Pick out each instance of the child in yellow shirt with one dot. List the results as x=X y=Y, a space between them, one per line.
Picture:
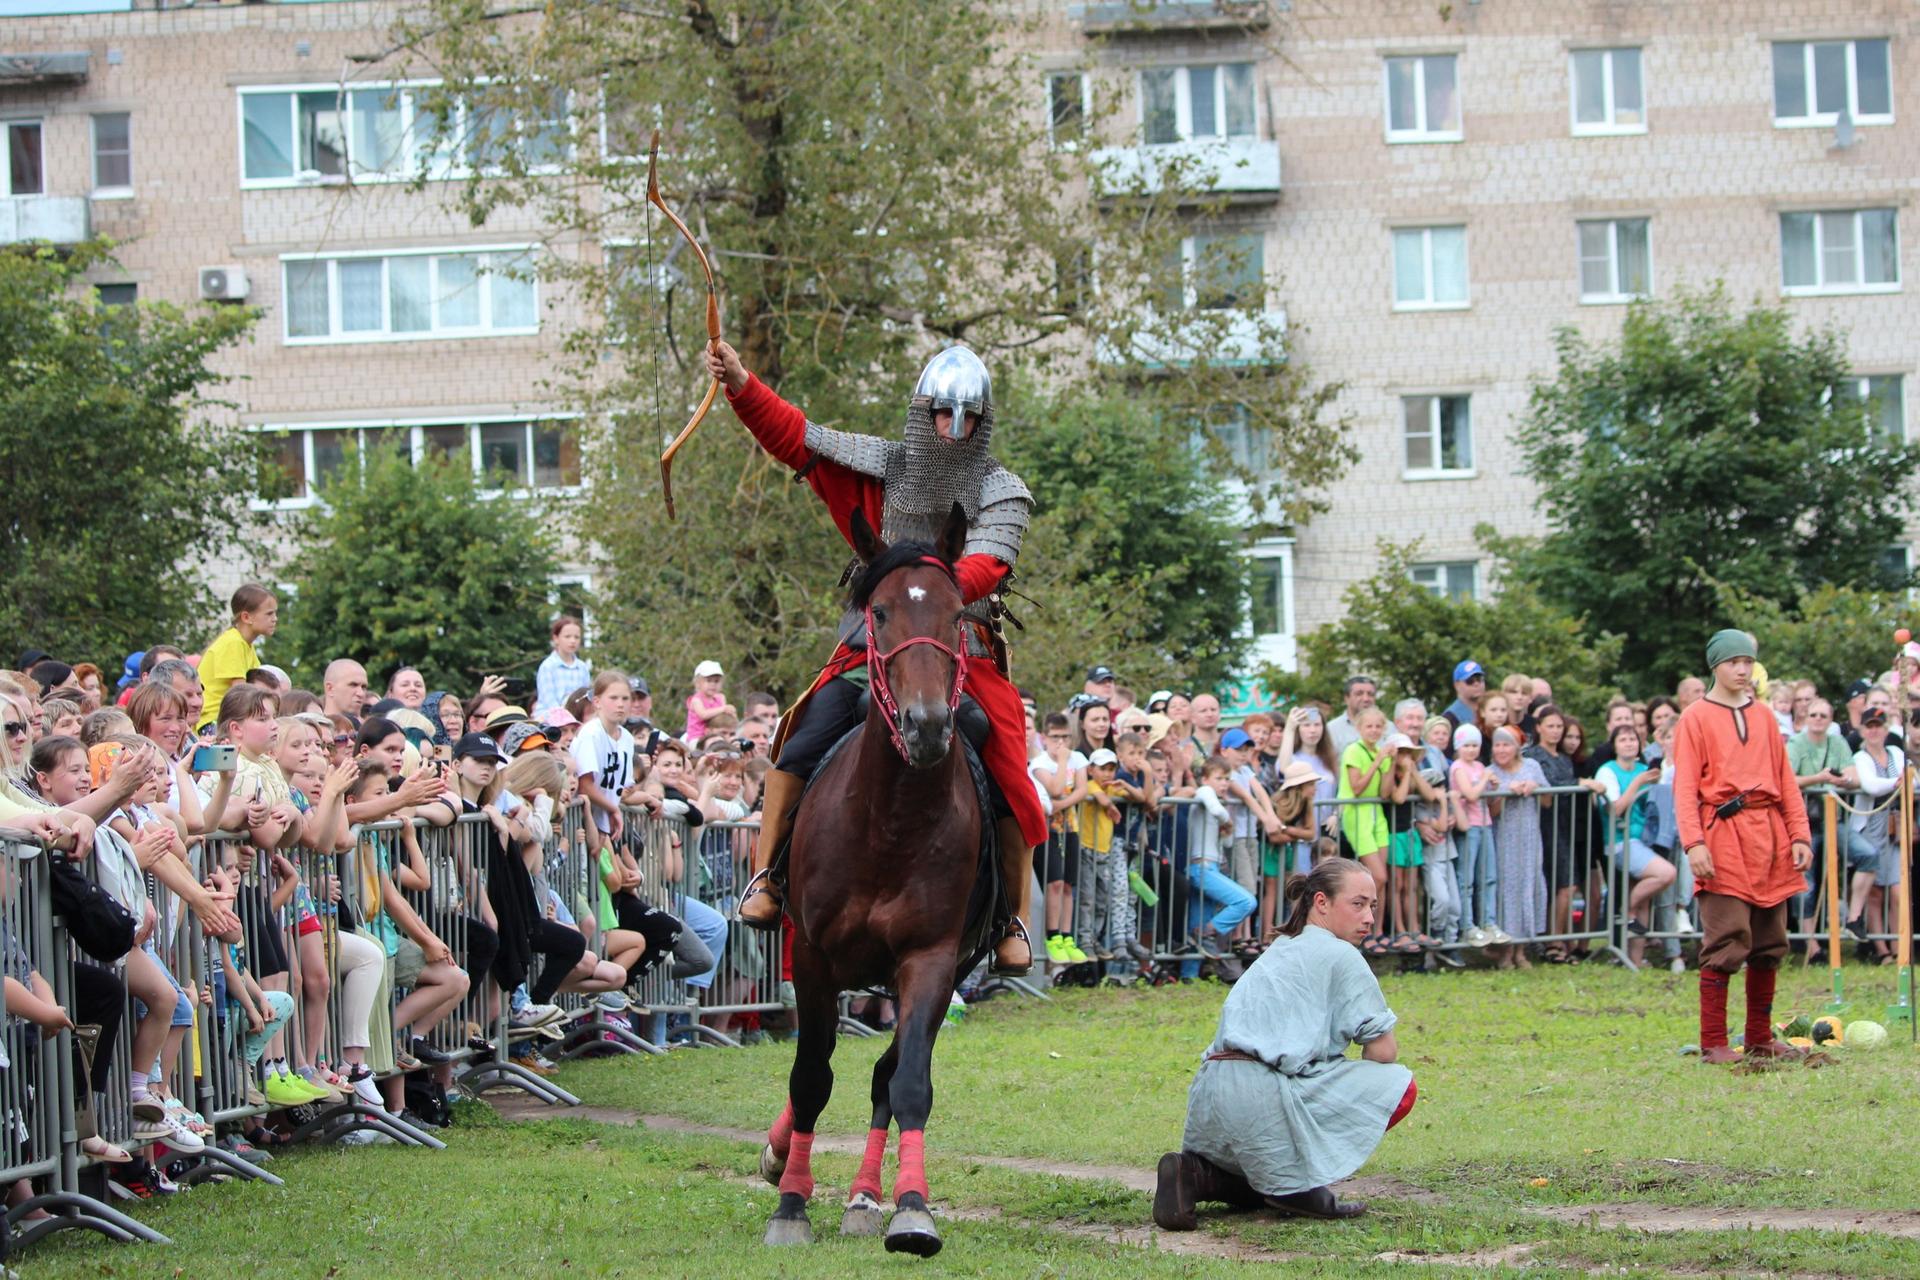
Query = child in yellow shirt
x=256 y=614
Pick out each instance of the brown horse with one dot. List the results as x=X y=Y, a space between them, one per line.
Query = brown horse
x=883 y=865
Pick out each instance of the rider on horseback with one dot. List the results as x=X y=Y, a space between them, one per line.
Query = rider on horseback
x=913 y=484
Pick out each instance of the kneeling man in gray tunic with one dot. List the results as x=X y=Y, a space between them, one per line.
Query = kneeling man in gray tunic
x=1278 y=1111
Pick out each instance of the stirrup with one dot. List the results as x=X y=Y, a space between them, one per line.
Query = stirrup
x=1016 y=928
x=761 y=883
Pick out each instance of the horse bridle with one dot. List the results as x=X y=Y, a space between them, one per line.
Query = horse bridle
x=877 y=667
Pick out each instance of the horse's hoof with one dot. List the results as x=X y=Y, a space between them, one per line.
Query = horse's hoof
x=912 y=1231
x=863 y=1217
x=789 y=1224
x=771 y=1165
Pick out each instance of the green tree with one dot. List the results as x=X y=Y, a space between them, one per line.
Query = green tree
x=1829 y=635
x=1409 y=639
x=1707 y=446
x=115 y=460
x=865 y=199
x=403 y=563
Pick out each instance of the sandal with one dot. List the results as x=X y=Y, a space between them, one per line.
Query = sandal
x=1426 y=942
x=263 y=1137
x=103 y=1151
x=1375 y=945
x=1403 y=944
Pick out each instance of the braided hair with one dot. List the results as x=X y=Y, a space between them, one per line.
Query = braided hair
x=1327 y=876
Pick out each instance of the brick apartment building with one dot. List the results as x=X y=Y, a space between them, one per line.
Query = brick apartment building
x=1432 y=189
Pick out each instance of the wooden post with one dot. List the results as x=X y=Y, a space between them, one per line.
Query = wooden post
x=1900 y=1012
x=1836 y=909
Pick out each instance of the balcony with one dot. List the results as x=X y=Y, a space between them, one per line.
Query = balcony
x=1245 y=170
x=59 y=219
x=1245 y=338
x=1152 y=17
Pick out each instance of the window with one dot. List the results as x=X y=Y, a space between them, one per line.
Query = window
x=1885 y=398
x=1268 y=604
x=1896 y=563
x=1429 y=268
x=1216 y=272
x=26 y=175
x=389 y=132
x=1847 y=251
x=1066 y=108
x=1248 y=448
x=1454 y=579
x=113 y=154
x=1183 y=104
x=1439 y=436
x=1423 y=99
x=1816 y=83
x=117 y=295
x=515 y=455
x=410 y=296
x=1615 y=264
x=1608 y=96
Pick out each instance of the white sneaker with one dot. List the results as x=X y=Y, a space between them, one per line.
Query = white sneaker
x=148 y=1107
x=181 y=1138
x=366 y=1138
x=368 y=1092
x=1676 y=965
x=537 y=1015
x=1476 y=937
x=1501 y=938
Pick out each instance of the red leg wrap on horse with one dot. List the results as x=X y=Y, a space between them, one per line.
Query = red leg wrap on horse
x=868 y=1179
x=1407 y=1100
x=1713 y=1009
x=912 y=1174
x=799 y=1174
x=782 y=1132
x=1760 y=984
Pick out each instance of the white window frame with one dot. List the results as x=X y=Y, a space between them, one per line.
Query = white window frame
x=1183 y=101
x=1815 y=119
x=1282 y=552
x=1189 y=265
x=584 y=581
x=1858 y=285
x=1437 y=471
x=1609 y=128
x=122 y=191
x=1861 y=385
x=446 y=161
x=1086 y=108
x=484 y=278
x=1440 y=571
x=417 y=449
x=1615 y=295
x=1426 y=261
x=6 y=155
x=1421 y=133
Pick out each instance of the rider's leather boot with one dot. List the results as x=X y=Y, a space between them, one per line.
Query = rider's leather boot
x=1013 y=954
x=762 y=904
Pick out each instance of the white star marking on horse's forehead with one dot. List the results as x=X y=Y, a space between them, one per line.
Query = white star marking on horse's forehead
x=916 y=593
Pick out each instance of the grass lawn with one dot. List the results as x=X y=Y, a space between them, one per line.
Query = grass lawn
x=1538 y=1092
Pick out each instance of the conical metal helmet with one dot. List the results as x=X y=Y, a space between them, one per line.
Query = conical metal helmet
x=957 y=380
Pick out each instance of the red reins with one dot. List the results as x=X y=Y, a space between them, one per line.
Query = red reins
x=877 y=662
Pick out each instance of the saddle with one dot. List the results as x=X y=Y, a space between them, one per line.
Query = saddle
x=988 y=908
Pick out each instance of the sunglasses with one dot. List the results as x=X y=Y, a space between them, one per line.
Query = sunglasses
x=342 y=739
x=723 y=755
x=16 y=728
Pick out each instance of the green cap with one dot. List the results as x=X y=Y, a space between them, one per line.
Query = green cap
x=1729 y=644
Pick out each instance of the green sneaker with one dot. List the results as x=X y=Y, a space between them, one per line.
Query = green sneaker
x=1057 y=949
x=283 y=1090
x=1074 y=954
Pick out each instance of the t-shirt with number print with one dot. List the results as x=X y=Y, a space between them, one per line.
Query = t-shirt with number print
x=608 y=759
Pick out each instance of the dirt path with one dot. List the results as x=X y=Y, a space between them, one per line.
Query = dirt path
x=1629 y=1215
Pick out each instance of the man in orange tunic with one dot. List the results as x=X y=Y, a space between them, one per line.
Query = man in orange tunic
x=1745 y=831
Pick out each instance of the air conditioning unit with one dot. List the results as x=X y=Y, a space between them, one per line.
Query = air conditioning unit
x=223 y=284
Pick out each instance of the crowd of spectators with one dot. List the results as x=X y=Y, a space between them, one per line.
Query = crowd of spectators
x=1498 y=823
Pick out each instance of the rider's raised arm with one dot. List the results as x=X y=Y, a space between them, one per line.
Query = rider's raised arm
x=781 y=428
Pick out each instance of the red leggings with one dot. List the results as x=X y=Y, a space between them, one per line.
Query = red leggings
x=1407 y=1100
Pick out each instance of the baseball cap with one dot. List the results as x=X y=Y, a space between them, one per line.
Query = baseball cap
x=524 y=737
x=1858 y=689
x=1468 y=670
x=1100 y=675
x=1100 y=757
x=1873 y=715
x=505 y=716
x=557 y=718
x=480 y=746
x=1235 y=739
x=1466 y=735
x=639 y=686
x=1158 y=699
x=707 y=668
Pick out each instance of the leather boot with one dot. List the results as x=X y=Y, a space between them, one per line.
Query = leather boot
x=762 y=903
x=1186 y=1179
x=1318 y=1202
x=1013 y=954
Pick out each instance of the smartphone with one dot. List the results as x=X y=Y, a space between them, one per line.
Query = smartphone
x=214 y=757
x=515 y=690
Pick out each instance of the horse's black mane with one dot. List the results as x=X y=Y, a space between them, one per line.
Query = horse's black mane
x=868 y=579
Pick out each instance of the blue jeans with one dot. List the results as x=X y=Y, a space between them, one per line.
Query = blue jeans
x=711 y=927
x=1474 y=870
